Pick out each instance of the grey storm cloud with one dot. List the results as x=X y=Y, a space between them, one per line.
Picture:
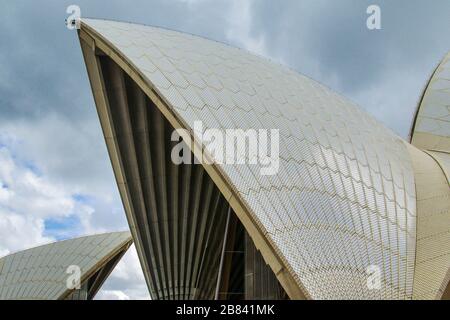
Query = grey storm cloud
x=43 y=81
x=42 y=72
x=40 y=60
x=334 y=34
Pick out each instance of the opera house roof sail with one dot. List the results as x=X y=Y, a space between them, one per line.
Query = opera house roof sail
x=42 y=273
x=349 y=194
x=431 y=127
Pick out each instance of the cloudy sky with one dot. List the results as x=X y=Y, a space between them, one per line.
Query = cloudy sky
x=56 y=180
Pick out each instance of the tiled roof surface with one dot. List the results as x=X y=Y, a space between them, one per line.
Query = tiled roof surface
x=344 y=195
x=40 y=273
x=432 y=124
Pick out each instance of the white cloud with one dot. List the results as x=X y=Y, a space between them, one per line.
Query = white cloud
x=69 y=152
x=111 y=295
x=394 y=100
x=29 y=198
x=126 y=281
x=239 y=28
x=26 y=200
x=19 y=232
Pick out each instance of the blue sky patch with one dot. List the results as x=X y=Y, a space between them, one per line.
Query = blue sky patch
x=62 y=228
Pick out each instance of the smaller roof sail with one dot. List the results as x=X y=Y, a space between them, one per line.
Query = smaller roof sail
x=43 y=273
x=431 y=127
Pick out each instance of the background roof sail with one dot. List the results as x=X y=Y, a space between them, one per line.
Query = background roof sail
x=41 y=273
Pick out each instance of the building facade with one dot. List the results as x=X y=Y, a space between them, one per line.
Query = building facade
x=349 y=195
